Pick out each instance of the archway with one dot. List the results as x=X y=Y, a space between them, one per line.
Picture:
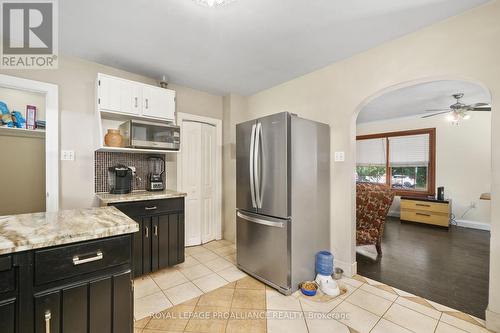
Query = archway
x=406 y=86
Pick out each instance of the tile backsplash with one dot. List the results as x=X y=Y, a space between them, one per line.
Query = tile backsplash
x=104 y=160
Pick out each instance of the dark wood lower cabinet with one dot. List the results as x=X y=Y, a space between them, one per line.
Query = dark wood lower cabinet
x=160 y=242
x=97 y=301
x=8 y=316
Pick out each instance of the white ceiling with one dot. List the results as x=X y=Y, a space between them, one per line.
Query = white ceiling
x=245 y=47
x=414 y=100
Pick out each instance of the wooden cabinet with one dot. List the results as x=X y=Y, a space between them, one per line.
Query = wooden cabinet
x=122 y=96
x=100 y=305
x=117 y=95
x=160 y=242
x=92 y=294
x=9 y=295
x=426 y=211
x=158 y=103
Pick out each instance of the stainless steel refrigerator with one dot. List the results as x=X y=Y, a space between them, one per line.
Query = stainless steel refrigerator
x=282 y=198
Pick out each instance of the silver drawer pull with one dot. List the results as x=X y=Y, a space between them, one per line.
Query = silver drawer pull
x=155 y=230
x=422 y=205
x=151 y=208
x=48 y=316
x=78 y=261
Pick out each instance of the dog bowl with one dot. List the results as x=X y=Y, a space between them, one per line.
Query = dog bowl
x=337 y=273
x=309 y=288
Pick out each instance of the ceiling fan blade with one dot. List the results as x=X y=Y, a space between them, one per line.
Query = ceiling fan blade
x=484 y=108
x=435 y=114
x=437 y=110
x=478 y=105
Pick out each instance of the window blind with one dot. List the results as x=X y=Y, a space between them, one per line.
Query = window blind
x=371 y=152
x=411 y=150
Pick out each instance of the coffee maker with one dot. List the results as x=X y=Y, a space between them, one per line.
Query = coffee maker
x=155 y=175
x=120 y=179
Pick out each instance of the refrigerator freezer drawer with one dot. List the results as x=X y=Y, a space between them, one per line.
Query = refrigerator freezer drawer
x=264 y=248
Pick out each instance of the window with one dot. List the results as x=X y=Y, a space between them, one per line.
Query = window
x=371 y=160
x=403 y=160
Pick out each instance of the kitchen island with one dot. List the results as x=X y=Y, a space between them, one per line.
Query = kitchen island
x=67 y=271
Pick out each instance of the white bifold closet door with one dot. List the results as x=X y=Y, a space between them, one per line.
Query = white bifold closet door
x=198 y=180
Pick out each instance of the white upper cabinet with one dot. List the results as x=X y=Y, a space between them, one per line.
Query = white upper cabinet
x=158 y=103
x=118 y=95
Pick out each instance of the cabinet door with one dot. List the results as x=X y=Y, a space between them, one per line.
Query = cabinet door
x=155 y=244
x=47 y=313
x=146 y=245
x=170 y=240
x=163 y=241
x=158 y=103
x=8 y=295
x=174 y=239
x=100 y=307
x=75 y=305
x=8 y=316
x=119 y=95
x=137 y=248
x=122 y=303
x=181 y=238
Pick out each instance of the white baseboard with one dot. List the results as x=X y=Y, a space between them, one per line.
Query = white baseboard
x=473 y=225
x=394 y=213
x=492 y=320
x=349 y=269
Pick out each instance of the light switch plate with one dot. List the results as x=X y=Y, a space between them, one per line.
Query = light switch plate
x=67 y=155
x=339 y=156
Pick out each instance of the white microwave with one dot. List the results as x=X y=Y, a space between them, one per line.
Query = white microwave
x=150 y=135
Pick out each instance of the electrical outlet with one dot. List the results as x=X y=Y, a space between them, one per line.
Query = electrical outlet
x=339 y=156
x=473 y=204
x=67 y=155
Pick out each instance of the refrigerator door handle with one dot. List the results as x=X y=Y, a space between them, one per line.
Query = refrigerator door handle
x=258 y=137
x=251 y=159
x=261 y=221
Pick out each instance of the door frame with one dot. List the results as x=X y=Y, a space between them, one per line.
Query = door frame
x=218 y=163
x=51 y=93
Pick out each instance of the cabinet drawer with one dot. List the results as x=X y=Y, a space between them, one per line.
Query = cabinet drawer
x=72 y=260
x=425 y=206
x=425 y=217
x=150 y=207
x=7 y=275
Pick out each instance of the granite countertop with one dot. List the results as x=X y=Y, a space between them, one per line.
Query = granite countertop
x=107 y=198
x=32 y=231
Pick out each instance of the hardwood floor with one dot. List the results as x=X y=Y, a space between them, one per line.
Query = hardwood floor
x=447 y=267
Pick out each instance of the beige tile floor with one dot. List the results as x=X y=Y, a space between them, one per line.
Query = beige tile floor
x=205 y=268
x=245 y=305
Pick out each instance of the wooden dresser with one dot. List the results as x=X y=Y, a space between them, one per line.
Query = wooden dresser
x=424 y=210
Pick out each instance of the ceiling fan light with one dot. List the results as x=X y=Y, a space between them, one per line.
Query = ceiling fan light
x=453 y=117
x=213 y=3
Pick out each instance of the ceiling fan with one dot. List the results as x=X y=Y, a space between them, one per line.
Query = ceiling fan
x=459 y=110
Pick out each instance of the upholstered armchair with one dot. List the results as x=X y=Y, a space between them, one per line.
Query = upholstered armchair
x=372 y=205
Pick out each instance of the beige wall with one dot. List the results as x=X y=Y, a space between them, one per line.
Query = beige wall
x=17 y=100
x=336 y=93
x=463 y=159
x=22 y=175
x=78 y=131
x=235 y=109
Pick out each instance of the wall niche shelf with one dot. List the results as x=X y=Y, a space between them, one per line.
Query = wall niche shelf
x=22 y=132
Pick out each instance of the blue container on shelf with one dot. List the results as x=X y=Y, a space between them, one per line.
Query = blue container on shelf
x=324 y=263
